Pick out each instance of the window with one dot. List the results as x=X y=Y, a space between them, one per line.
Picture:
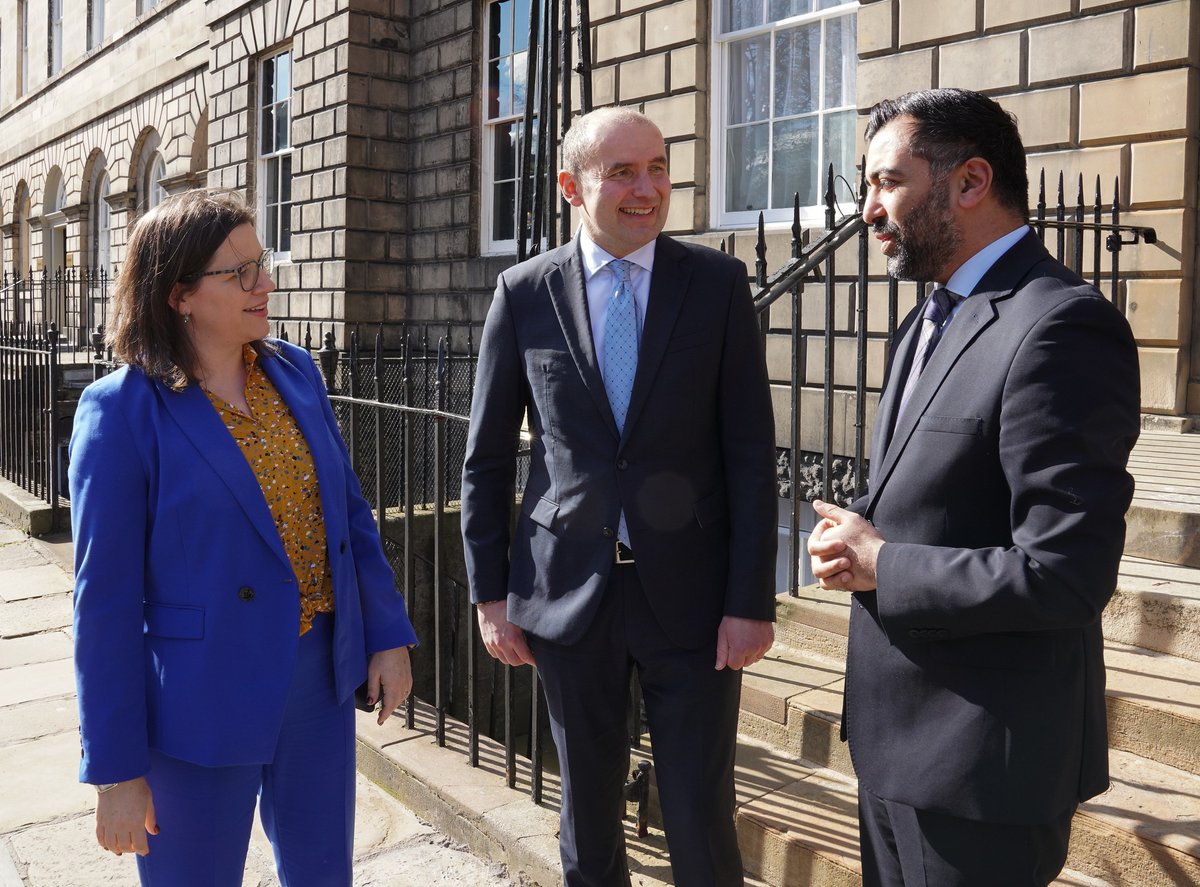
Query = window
x=503 y=143
x=786 y=109
x=153 y=192
x=22 y=47
x=275 y=154
x=54 y=46
x=145 y=6
x=95 y=34
x=102 y=230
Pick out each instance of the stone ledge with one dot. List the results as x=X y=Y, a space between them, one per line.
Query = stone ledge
x=27 y=512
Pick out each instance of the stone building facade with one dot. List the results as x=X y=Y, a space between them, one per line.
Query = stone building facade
x=377 y=137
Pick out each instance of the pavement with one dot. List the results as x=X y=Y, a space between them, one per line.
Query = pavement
x=46 y=815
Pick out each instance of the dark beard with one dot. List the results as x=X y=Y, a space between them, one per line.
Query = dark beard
x=927 y=240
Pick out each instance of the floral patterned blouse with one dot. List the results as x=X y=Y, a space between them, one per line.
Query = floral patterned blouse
x=280 y=458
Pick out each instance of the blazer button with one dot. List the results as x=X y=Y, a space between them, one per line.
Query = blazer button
x=608 y=532
x=622 y=464
x=246 y=593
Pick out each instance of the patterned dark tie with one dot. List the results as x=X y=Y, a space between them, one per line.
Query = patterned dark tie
x=620 y=353
x=937 y=313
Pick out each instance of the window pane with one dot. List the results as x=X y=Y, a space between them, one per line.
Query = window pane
x=283 y=76
x=795 y=162
x=797 y=69
x=504 y=13
x=829 y=4
x=268 y=81
x=504 y=210
x=285 y=229
x=271 y=175
x=746 y=163
x=841 y=46
x=267 y=131
x=781 y=9
x=505 y=157
x=749 y=79
x=285 y=179
x=521 y=27
x=742 y=14
x=519 y=70
x=838 y=148
x=493 y=93
x=282 y=129
x=504 y=86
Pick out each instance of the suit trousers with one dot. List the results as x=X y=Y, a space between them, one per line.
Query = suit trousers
x=692 y=710
x=305 y=794
x=906 y=847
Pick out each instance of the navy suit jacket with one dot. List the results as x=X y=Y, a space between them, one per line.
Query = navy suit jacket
x=693 y=468
x=975 y=673
x=187 y=614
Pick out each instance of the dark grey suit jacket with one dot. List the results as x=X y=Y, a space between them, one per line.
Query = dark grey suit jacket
x=975 y=673
x=693 y=470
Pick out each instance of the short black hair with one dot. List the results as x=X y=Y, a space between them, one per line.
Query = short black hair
x=951 y=126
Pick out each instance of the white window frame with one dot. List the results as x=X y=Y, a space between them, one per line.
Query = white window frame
x=153 y=193
x=719 y=217
x=492 y=126
x=95 y=33
x=22 y=47
x=265 y=163
x=54 y=45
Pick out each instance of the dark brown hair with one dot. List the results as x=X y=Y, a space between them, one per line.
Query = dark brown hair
x=169 y=245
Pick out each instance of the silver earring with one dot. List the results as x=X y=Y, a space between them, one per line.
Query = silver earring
x=187 y=318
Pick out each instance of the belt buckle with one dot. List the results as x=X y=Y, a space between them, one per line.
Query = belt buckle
x=621 y=554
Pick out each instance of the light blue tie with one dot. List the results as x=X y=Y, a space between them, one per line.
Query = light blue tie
x=620 y=353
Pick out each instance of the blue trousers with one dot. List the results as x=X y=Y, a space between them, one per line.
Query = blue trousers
x=305 y=794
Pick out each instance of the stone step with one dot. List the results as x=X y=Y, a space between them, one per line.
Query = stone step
x=1163 y=523
x=793 y=697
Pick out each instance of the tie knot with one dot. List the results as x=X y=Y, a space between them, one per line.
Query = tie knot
x=941 y=304
x=622 y=268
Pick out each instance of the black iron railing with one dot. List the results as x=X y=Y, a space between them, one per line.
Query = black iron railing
x=1080 y=236
x=30 y=442
x=75 y=300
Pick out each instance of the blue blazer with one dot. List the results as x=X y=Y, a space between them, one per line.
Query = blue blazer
x=186 y=608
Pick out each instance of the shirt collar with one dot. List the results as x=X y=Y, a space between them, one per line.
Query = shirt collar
x=967 y=277
x=595 y=258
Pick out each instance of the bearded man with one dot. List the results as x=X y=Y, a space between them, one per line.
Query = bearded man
x=987 y=544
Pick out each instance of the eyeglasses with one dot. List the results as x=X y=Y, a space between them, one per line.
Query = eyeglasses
x=247 y=272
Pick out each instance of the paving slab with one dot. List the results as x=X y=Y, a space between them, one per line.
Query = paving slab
x=42 y=782
x=33 y=648
x=27 y=683
x=34 y=581
x=18 y=555
x=22 y=723
x=18 y=618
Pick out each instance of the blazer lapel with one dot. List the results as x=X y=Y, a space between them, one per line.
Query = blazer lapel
x=568 y=294
x=202 y=424
x=668 y=286
x=976 y=314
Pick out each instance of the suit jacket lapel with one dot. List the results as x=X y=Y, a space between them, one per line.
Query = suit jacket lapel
x=668 y=286
x=202 y=424
x=568 y=294
x=976 y=314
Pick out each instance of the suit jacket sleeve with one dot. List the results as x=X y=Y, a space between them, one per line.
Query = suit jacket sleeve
x=489 y=470
x=109 y=489
x=747 y=428
x=1069 y=416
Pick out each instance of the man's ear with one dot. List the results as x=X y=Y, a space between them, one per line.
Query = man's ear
x=974 y=182
x=569 y=186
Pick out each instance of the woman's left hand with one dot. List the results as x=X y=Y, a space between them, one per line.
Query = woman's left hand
x=389 y=678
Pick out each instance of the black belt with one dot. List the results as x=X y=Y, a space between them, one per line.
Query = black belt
x=622 y=553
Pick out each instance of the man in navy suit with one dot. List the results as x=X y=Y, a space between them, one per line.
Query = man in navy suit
x=646 y=532
x=988 y=542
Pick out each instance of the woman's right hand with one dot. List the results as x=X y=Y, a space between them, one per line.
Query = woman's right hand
x=124 y=814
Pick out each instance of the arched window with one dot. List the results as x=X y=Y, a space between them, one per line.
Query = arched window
x=21 y=258
x=54 y=222
x=152 y=189
x=102 y=226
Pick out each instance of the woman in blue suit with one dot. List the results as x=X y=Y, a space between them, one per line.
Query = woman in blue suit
x=231 y=590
